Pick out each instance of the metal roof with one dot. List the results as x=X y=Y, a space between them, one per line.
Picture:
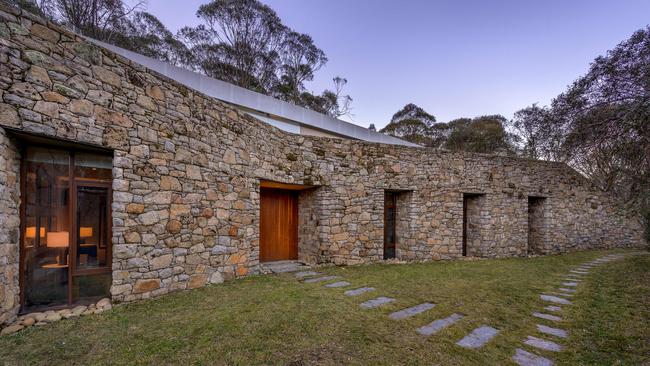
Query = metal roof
x=248 y=99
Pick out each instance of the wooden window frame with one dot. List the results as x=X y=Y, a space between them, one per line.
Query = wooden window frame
x=72 y=206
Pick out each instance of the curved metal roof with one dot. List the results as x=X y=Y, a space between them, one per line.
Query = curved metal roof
x=248 y=99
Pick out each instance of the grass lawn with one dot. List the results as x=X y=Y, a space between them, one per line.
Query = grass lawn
x=277 y=320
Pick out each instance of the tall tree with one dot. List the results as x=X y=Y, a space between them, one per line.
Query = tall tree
x=601 y=124
x=245 y=43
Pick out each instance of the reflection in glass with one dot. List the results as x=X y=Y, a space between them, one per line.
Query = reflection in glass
x=92 y=211
x=45 y=259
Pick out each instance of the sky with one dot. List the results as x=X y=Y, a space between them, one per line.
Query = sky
x=461 y=58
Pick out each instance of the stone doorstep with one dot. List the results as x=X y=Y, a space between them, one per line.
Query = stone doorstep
x=525 y=358
x=409 y=312
x=543 y=344
x=439 y=324
x=283 y=267
x=373 y=303
x=358 y=291
x=478 y=337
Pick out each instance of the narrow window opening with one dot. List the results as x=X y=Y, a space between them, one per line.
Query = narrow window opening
x=536 y=207
x=472 y=203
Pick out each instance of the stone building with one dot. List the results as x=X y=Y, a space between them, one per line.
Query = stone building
x=117 y=180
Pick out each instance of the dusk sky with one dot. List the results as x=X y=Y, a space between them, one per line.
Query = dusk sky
x=453 y=58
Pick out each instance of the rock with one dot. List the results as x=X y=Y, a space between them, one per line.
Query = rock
x=9 y=115
x=50 y=96
x=47 y=108
x=11 y=329
x=76 y=311
x=216 y=278
x=28 y=322
x=103 y=302
x=45 y=33
x=155 y=92
x=38 y=76
x=106 y=76
x=135 y=208
x=146 y=285
x=55 y=317
x=161 y=262
x=174 y=226
x=81 y=107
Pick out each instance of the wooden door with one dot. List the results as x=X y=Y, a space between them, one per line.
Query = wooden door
x=278 y=225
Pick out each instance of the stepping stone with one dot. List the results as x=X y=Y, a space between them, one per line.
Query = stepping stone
x=554 y=318
x=560 y=294
x=525 y=358
x=570 y=284
x=567 y=289
x=437 y=325
x=555 y=299
x=552 y=331
x=409 y=312
x=304 y=274
x=579 y=272
x=338 y=284
x=573 y=279
x=553 y=308
x=320 y=279
x=478 y=337
x=543 y=344
x=376 y=302
x=358 y=291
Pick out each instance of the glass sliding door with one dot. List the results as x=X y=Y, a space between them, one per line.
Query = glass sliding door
x=66 y=218
x=46 y=222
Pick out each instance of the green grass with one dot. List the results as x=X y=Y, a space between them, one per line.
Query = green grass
x=277 y=320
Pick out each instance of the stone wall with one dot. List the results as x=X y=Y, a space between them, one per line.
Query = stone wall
x=187 y=171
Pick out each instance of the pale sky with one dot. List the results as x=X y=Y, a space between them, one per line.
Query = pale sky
x=460 y=58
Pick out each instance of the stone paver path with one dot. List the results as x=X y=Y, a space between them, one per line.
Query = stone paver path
x=358 y=291
x=478 y=337
x=304 y=274
x=320 y=279
x=376 y=302
x=543 y=344
x=567 y=290
x=338 y=284
x=570 y=284
x=552 y=331
x=525 y=358
x=408 y=312
x=555 y=299
x=438 y=325
x=554 y=318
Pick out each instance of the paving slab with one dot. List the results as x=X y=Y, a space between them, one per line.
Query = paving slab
x=552 y=331
x=579 y=272
x=414 y=310
x=525 y=358
x=478 y=337
x=376 y=302
x=555 y=299
x=304 y=274
x=543 y=344
x=320 y=279
x=569 y=290
x=437 y=325
x=564 y=294
x=338 y=284
x=570 y=284
x=553 y=308
x=358 y=291
x=554 y=318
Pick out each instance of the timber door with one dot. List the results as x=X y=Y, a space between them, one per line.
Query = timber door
x=278 y=225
